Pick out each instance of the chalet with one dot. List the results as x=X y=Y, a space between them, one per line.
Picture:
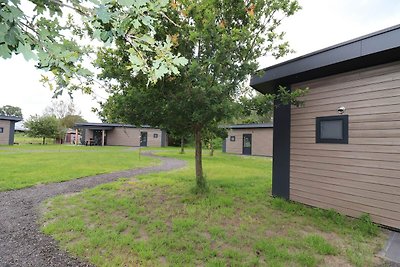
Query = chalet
x=341 y=150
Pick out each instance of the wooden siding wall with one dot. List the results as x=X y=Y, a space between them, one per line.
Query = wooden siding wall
x=364 y=175
x=88 y=135
x=120 y=136
x=261 y=141
x=5 y=136
x=151 y=140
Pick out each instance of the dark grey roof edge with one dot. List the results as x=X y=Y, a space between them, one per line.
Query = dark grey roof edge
x=373 y=43
x=11 y=118
x=249 y=126
x=99 y=124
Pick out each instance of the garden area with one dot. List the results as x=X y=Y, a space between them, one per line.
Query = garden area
x=159 y=220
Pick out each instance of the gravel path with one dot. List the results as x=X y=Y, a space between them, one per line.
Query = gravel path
x=22 y=243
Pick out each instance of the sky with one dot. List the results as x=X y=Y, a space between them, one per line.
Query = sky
x=320 y=23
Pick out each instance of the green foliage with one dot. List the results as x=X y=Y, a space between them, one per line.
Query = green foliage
x=70 y=120
x=23 y=138
x=222 y=40
x=65 y=112
x=365 y=225
x=8 y=110
x=43 y=126
x=259 y=108
x=320 y=245
x=59 y=35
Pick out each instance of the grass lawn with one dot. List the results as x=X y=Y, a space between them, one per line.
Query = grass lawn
x=27 y=165
x=159 y=221
x=23 y=138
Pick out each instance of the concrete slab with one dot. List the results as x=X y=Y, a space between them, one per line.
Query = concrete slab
x=391 y=252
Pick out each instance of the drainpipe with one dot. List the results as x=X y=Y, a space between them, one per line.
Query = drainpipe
x=102 y=137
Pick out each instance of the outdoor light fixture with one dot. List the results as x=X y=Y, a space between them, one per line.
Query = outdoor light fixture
x=341 y=110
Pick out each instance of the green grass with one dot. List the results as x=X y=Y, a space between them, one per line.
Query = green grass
x=159 y=221
x=23 y=138
x=27 y=165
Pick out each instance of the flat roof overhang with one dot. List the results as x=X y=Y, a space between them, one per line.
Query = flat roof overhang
x=10 y=118
x=250 y=126
x=366 y=51
x=104 y=126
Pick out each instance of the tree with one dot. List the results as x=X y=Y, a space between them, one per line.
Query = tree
x=66 y=114
x=69 y=121
x=60 y=109
x=43 y=126
x=8 y=110
x=59 y=36
x=222 y=39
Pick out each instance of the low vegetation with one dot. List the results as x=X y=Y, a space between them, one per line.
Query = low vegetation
x=27 y=165
x=158 y=220
x=21 y=138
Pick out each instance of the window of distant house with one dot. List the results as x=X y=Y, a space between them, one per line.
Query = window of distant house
x=1 y=129
x=232 y=138
x=332 y=129
x=155 y=135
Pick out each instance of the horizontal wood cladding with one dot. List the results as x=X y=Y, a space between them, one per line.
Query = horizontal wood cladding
x=375 y=198
x=261 y=141
x=364 y=175
x=5 y=135
x=380 y=184
x=388 y=157
x=359 y=140
x=342 y=207
x=380 y=118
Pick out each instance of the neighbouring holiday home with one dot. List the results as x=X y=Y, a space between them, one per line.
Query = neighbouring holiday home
x=341 y=150
x=7 y=129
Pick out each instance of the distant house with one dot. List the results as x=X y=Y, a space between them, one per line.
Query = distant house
x=249 y=139
x=70 y=136
x=341 y=150
x=7 y=129
x=112 y=134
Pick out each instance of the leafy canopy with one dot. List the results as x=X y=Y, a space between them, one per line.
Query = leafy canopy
x=8 y=110
x=60 y=35
x=45 y=126
x=222 y=40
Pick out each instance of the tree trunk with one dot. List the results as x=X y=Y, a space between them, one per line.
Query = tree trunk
x=211 y=148
x=200 y=179
x=182 y=145
x=44 y=140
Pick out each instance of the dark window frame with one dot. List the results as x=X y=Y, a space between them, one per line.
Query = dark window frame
x=155 y=135
x=232 y=138
x=1 y=130
x=345 y=129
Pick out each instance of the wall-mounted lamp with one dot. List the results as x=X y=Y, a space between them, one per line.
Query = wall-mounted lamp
x=341 y=110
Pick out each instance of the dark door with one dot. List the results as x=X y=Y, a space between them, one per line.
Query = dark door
x=246 y=144
x=143 y=138
x=98 y=138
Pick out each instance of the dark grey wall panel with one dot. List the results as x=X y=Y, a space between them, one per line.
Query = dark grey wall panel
x=281 y=151
x=12 y=132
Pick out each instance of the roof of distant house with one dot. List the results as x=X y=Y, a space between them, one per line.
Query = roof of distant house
x=10 y=118
x=250 y=125
x=106 y=125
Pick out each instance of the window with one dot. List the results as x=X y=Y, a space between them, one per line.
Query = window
x=332 y=129
x=232 y=138
x=155 y=135
x=1 y=130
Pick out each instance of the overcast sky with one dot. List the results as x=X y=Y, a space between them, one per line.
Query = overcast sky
x=319 y=24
